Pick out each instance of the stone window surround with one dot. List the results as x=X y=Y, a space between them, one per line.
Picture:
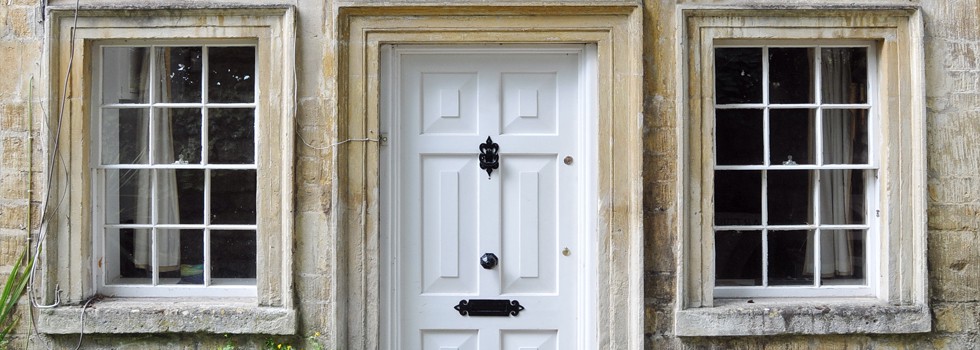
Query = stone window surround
x=902 y=304
x=68 y=262
x=615 y=31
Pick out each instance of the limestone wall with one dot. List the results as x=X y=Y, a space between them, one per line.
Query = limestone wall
x=952 y=46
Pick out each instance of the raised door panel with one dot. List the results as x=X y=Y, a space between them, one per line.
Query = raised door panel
x=448 y=103
x=530 y=231
x=449 y=224
x=530 y=103
x=529 y=339
x=449 y=340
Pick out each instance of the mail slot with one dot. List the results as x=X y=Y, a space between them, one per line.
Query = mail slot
x=489 y=307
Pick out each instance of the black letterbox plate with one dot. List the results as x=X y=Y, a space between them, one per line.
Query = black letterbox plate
x=489 y=307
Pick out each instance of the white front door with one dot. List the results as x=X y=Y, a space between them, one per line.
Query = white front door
x=443 y=212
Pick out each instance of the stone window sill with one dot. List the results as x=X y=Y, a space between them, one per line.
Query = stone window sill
x=141 y=315
x=739 y=317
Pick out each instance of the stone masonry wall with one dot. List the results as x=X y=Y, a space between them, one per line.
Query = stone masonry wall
x=21 y=37
x=952 y=56
x=953 y=95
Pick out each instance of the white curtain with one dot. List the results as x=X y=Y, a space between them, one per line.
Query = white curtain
x=168 y=211
x=836 y=252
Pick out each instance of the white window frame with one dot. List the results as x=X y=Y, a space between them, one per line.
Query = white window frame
x=70 y=263
x=105 y=256
x=871 y=251
x=899 y=288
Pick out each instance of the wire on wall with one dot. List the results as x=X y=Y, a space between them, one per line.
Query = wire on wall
x=56 y=159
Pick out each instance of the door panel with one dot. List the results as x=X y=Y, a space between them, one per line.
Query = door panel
x=448 y=227
x=529 y=103
x=530 y=219
x=448 y=212
x=529 y=340
x=448 y=102
x=450 y=340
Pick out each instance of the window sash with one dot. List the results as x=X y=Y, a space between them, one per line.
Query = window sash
x=820 y=287
x=157 y=285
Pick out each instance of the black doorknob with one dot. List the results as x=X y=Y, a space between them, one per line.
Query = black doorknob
x=488 y=261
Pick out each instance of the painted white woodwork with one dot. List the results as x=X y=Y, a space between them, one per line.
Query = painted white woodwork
x=529 y=340
x=155 y=229
x=448 y=102
x=450 y=340
x=447 y=212
x=530 y=104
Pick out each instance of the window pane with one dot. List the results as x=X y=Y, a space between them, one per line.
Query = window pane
x=842 y=196
x=232 y=74
x=180 y=196
x=179 y=74
x=178 y=132
x=231 y=136
x=789 y=197
x=125 y=74
x=233 y=197
x=738 y=136
x=233 y=256
x=738 y=197
x=791 y=136
x=791 y=75
x=738 y=258
x=124 y=264
x=844 y=75
x=788 y=257
x=738 y=75
x=845 y=134
x=127 y=196
x=168 y=247
x=186 y=258
x=125 y=136
x=842 y=257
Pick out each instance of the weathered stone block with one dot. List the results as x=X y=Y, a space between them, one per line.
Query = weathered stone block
x=13 y=216
x=168 y=316
x=308 y=198
x=13 y=154
x=19 y=62
x=311 y=321
x=954 y=190
x=11 y=246
x=22 y=20
x=313 y=286
x=956 y=317
x=659 y=318
x=309 y=170
x=660 y=241
x=13 y=117
x=314 y=248
x=312 y=141
x=659 y=287
x=954 y=264
x=953 y=217
x=13 y=185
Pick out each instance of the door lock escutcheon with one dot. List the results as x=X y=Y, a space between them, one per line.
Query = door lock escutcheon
x=488 y=261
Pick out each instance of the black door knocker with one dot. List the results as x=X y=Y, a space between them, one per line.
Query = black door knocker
x=488 y=156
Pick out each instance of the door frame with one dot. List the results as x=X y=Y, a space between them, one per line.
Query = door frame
x=585 y=209
x=355 y=217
